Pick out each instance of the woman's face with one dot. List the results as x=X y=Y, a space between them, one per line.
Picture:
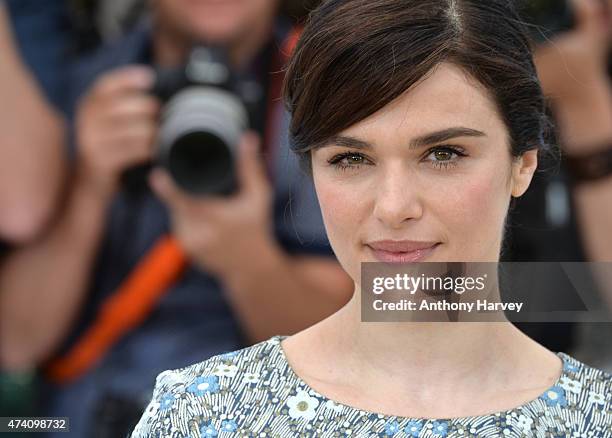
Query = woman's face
x=427 y=178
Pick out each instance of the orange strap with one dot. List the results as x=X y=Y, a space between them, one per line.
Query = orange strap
x=126 y=309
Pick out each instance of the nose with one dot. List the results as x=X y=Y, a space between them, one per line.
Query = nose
x=398 y=199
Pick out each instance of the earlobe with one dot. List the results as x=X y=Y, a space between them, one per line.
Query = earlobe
x=523 y=171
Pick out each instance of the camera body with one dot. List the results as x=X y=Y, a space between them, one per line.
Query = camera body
x=203 y=118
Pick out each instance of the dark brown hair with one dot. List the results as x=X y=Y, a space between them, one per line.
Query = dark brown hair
x=356 y=56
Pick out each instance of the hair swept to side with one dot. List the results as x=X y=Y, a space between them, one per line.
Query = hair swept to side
x=356 y=56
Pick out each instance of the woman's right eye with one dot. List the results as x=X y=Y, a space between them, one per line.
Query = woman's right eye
x=348 y=160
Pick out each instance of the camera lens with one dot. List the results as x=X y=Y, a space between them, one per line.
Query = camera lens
x=200 y=161
x=199 y=134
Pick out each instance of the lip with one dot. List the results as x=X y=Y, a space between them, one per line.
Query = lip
x=401 y=251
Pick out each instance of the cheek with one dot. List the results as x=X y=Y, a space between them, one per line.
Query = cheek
x=343 y=207
x=338 y=207
x=476 y=208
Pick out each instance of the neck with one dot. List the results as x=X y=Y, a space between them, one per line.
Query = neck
x=423 y=350
x=171 y=47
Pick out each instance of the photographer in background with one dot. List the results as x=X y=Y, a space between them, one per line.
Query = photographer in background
x=259 y=258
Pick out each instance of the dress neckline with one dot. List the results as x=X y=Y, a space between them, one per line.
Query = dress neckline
x=527 y=406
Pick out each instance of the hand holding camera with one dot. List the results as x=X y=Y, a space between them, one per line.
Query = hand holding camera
x=116 y=127
x=195 y=135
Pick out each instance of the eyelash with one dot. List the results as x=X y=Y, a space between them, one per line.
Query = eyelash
x=336 y=160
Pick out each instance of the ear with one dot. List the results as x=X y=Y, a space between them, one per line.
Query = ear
x=523 y=169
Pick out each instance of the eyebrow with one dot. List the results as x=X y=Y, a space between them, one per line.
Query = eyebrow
x=424 y=140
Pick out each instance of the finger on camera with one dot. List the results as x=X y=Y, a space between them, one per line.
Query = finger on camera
x=135 y=152
x=178 y=200
x=136 y=129
x=251 y=165
x=124 y=80
x=133 y=143
x=131 y=108
x=139 y=131
x=161 y=183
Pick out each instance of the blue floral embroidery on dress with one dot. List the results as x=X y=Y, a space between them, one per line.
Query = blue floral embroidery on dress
x=440 y=428
x=204 y=385
x=391 y=428
x=554 y=396
x=570 y=367
x=229 y=355
x=413 y=428
x=166 y=401
x=208 y=430
x=229 y=426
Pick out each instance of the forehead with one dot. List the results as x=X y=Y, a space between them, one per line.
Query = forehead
x=446 y=97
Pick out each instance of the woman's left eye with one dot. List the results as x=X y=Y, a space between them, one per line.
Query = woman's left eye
x=445 y=156
x=348 y=160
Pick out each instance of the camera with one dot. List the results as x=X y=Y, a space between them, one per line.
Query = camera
x=205 y=112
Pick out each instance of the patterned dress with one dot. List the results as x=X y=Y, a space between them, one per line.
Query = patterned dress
x=254 y=392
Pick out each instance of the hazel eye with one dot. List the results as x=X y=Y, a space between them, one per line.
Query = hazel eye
x=445 y=156
x=348 y=160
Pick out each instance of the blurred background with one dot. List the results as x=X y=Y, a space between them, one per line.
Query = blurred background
x=96 y=298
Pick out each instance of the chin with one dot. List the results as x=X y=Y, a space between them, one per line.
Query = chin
x=215 y=33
